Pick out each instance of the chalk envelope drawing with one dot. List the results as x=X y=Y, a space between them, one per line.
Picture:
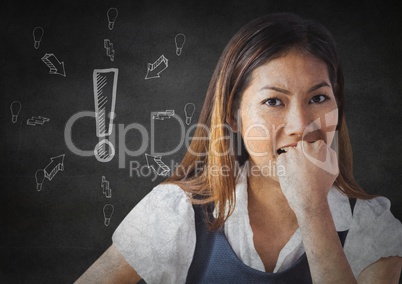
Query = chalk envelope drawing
x=56 y=164
x=179 y=40
x=189 y=110
x=156 y=164
x=35 y=120
x=105 y=87
x=154 y=69
x=111 y=17
x=55 y=66
x=37 y=36
x=109 y=49
x=107 y=191
x=108 y=210
x=162 y=115
x=15 y=109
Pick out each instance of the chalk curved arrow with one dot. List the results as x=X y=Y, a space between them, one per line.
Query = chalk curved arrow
x=154 y=69
x=55 y=66
x=155 y=163
x=56 y=165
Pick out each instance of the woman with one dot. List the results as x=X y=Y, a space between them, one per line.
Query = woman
x=260 y=196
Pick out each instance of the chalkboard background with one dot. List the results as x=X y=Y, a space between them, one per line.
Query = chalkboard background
x=53 y=235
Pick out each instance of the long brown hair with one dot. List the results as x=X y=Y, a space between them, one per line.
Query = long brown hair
x=252 y=46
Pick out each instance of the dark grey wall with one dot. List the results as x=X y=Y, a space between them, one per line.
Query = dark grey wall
x=53 y=235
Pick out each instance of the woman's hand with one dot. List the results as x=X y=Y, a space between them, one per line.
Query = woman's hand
x=310 y=171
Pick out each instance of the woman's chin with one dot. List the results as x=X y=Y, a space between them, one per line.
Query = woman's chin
x=266 y=169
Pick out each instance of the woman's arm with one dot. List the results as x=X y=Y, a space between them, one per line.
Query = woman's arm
x=327 y=260
x=110 y=267
x=384 y=271
x=320 y=237
x=306 y=186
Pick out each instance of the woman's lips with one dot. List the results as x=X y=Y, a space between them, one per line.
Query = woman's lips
x=285 y=148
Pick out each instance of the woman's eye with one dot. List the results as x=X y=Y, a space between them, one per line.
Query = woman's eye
x=273 y=102
x=319 y=99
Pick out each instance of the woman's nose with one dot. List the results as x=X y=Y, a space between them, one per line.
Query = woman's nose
x=297 y=119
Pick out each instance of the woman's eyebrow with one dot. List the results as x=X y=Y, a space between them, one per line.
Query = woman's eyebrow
x=316 y=87
x=280 y=90
x=286 y=92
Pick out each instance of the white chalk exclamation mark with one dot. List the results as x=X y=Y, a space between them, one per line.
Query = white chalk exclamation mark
x=105 y=86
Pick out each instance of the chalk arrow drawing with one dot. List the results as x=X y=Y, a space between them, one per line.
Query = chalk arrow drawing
x=155 y=163
x=37 y=120
x=55 y=66
x=154 y=69
x=54 y=167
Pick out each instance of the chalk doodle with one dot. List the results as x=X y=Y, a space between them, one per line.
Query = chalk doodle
x=55 y=66
x=109 y=49
x=154 y=69
x=37 y=36
x=107 y=191
x=156 y=164
x=15 y=108
x=56 y=164
x=35 y=120
x=39 y=177
x=162 y=115
x=105 y=87
x=179 y=40
x=108 y=210
x=111 y=17
x=189 y=110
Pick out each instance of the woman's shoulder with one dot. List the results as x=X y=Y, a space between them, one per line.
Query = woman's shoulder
x=374 y=221
x=374 y=209
x=169 y=196
x=373 y=217
x=169 y=192
x=159 y=232
x=373 y=234
x=164 y=199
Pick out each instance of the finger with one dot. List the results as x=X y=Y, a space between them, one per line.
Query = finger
x=334 y=160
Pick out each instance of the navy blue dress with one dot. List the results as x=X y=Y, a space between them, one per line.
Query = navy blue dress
x=215 y=261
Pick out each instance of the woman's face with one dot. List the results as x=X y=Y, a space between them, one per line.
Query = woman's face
x=289 y=99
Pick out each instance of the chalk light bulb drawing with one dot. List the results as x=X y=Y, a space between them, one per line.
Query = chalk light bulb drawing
x=108 y=210
x=15 y=108
x=189 y=112
x=40 y=177
x=111 y=17
x=37 y=35
x=179 y=40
